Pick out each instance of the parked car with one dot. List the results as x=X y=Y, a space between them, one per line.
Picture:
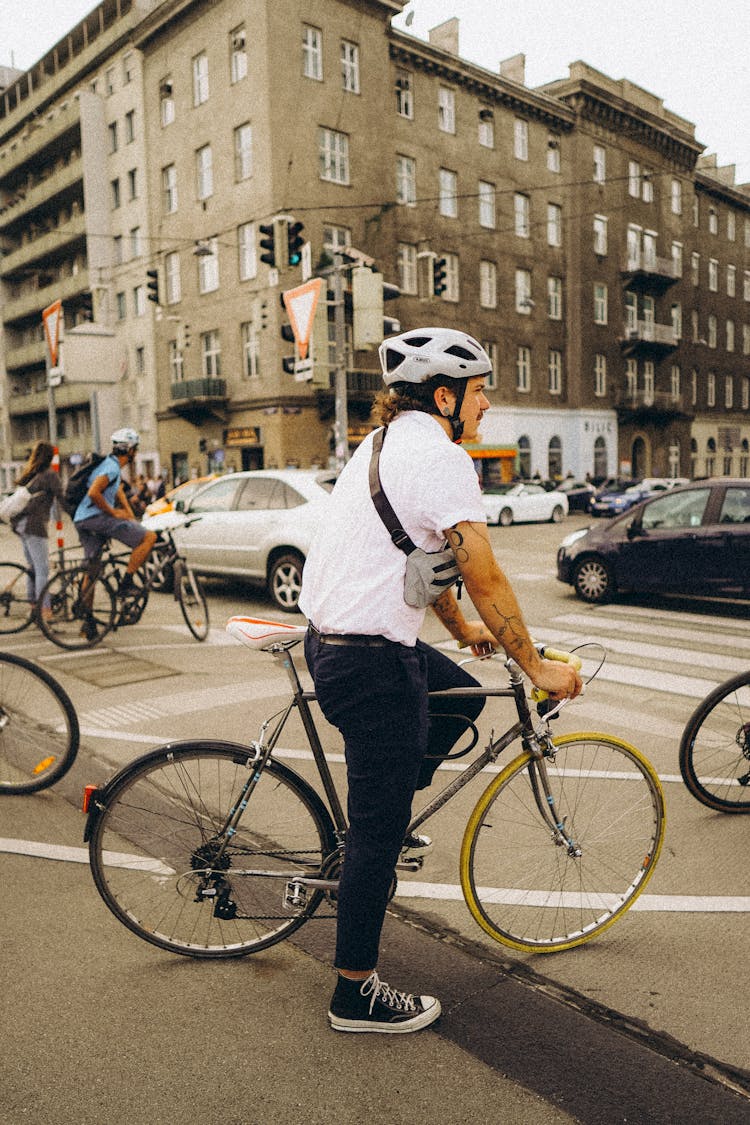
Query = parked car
x=256 y=525
x=523 y=502
x=693 y=539
x=579 y=493
x=618 y=500
x=182 y=491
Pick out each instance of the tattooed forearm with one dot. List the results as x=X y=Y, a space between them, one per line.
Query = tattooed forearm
x=457 y=541
x=511 y=632
x=449 y=613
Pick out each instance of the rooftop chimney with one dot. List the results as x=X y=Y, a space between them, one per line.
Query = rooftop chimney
x=445 y=36
x=514 y=69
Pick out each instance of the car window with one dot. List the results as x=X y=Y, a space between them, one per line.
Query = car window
x=218 y=497
x=676 y=509
x=292 y=498
x=736 y=506
x=533 y=489
x=261 y=494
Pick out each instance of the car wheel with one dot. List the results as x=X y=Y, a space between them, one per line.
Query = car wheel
x=285 y=580
x=594 y=581
x=505 y=519
x=557 y=514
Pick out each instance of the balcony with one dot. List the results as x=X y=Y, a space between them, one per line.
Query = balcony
x=48 y=247
x=33 y=301
x=647 y=338
x=36 y=402
x=644 y=406
x=198 y=399
x=650 y=273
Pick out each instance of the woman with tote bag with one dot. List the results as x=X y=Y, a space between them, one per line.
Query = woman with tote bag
x=31 y=524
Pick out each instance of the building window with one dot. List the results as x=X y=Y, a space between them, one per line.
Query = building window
x=122 y=311
x=208 y=268
x=452 y=287
x=135 y=243
x=648 y=186
x=166 y=101
x=631 y=378
x=169 y=189
x=745 y=406
x=731 y=281
x=487 y=285
x=554 y=458
x=404 y=95
x=524 y=303
x=631 y=311
x=676 y=197
x=118 y=251
x=746 y=339
x=600 y=303
x=336 y=238
x=713 y=221
x=730 y=335
x=634 y=179
x=211 y=354
x=695 y=334
x=248 y=266
x=693 y=387
x=712 y=331
x=406 y=180
x=554 y=298
x=140 y=362
x=695 y=268
x=446 y=109
x=696 y=210
x=407 y=268
x=746 y=285
x=312 y=53
x=634 y=242
x=139 y=300
x=600 y=234
x=349 y=67
x=713 y=275
x=130 y=127
x=677 y=259
x=243 y=152
x=554 y=224
x=109 y=80
x=521 y=207
x=600 y=375
x=250 y=340
x=127 y=68
x=711 y=389
x=333 y=156
x=133 y=184
x=204 y=172
x=521 y=139
x=674 y=382
x=448 y=194
x=486 y=204
x=524 y=456
x=554 y=372
x=728 y=392
x=600 y=164
x=490 y=380
x=553 y=153
x=648 y=382
x=676 y=320
x=173 y=284
x=176 y=362
x=112 y=134
x=200 y=79
x=486 y=133
x=731 y=226
x=237 y=55
x=523 y=369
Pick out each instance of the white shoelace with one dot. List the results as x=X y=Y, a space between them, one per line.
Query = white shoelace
x=374 y=987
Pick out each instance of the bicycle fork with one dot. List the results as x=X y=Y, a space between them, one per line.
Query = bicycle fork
x=541 y=747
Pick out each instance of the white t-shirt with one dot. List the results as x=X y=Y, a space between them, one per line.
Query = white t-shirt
x=353 y=581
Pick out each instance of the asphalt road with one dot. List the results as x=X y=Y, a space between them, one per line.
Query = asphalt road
x=664 y=982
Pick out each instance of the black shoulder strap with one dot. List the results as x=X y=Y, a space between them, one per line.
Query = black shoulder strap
x=381 y=501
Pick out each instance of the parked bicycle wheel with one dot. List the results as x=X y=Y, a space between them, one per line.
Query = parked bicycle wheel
x=16 y=607
x=165 y=867
x=189 y=593
x=38 y=727
x=82 y=611
x=522 y=886
x=715 y=748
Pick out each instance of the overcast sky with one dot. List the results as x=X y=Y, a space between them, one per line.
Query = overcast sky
x=691 y=53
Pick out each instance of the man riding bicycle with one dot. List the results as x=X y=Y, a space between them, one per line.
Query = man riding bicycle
x=105 y=513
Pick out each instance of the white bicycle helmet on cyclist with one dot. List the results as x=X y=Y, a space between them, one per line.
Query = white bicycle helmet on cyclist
x=425 y=353
x=124 y=440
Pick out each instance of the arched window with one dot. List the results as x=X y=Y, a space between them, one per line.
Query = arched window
x=710 y=457
x=600 y=458
x=744 y=457
x=554 y=458
x=524 y=457
x=693 y=458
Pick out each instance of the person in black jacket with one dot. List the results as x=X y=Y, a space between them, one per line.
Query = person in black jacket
x=32 y=523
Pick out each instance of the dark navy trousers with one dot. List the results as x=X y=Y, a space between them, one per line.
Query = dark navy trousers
x=377 y=698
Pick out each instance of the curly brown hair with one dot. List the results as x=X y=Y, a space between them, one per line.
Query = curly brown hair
x=40 y=459
x=389 y=404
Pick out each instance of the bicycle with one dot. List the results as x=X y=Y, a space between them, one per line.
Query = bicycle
x=213 y=849
x=39 y=733
x=17 y=609
x=85 y=603
x=715 y=748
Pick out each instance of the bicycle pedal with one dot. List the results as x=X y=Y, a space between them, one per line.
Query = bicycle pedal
x=295 y=895
x=410 y=864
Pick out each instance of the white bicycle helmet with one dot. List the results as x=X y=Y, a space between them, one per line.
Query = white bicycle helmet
x=125 y=439
x=414 y=357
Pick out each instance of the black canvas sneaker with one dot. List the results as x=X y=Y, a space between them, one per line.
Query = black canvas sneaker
x=372 y=1005
x=415 y=847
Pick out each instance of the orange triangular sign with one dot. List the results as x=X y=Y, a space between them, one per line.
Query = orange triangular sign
x=51 y=318
x=300 y=304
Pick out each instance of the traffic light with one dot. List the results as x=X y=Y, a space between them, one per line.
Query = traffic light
x=183 y=336
x=268 y=244
x=288 y=363
x=153 y=286
x=295 y=243
x=438 y=276
x=87 y=306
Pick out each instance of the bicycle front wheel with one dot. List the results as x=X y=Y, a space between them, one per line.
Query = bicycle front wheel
x=82 y=610
x=168 y=869
x=715 y=748
x=523 y=885
x=190 y=594
x=16 y=607
x=38 y=727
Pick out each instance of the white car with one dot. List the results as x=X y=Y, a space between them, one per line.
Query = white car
x=523 y=502
x=256 y=525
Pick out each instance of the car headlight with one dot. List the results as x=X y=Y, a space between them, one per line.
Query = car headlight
x=574 y=536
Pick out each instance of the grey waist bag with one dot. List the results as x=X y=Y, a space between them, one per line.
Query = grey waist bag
x=428 y=573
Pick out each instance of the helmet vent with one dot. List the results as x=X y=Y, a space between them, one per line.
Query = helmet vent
x=461 y=353
x=392 y=359
x=417 y=341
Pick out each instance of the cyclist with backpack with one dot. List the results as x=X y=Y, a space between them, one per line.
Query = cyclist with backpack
x=105 y=513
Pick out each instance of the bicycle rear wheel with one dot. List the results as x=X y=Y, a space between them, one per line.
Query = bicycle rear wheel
x=189 y=592
x=166 y=868
x=525 y=889
x=715 y=748
x=82 y=611
x=16 y=607
x=38 y=727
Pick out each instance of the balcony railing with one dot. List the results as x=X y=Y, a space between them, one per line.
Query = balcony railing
x=651 y=270
x=659 y=400
x=191 y=389
x=648 y=336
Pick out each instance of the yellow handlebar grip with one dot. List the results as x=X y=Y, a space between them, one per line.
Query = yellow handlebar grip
x=564 y=657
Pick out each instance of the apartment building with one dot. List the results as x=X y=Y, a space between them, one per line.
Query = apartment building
x=601 y=259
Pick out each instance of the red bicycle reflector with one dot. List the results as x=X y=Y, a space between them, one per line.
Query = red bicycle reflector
x=88 y=791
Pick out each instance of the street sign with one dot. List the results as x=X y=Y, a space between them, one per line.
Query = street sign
x=303 y=370
x=51 y=317
x=300 y=303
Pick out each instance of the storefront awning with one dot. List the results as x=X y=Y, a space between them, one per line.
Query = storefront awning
x=501 y=452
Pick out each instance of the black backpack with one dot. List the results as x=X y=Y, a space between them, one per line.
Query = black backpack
x=78 y=482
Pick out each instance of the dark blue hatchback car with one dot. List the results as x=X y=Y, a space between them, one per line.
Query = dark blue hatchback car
x=691 y=540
